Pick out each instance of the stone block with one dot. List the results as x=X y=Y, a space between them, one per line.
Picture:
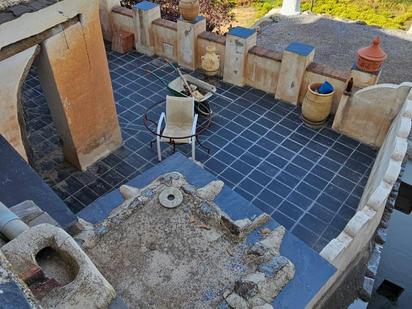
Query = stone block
x=239 y=41
x=362 y=79
x=381 y=236
x=295 y=60
x=374 y=261
x=144 y=13
x=187 y=33
x=122 y=41
x=357 y=223
x=366 y=290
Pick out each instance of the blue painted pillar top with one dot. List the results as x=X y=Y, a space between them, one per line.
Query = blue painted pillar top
x=242 y=32
x=145 y=6
x=300 y=48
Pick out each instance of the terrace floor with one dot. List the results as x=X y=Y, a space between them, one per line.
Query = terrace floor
x=308 y=180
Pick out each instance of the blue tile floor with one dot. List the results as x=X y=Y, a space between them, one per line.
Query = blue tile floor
x=308 y=180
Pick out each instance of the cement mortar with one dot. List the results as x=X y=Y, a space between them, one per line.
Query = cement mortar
x=156 y=258
x=175 y=258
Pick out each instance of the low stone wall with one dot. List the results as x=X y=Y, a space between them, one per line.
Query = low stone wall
x=317 y=73
x=367 y=114
x=262 y=69
x=122 y=19
x=344 y=249
x=253 y=65
x=165 y=38
x=211 y=39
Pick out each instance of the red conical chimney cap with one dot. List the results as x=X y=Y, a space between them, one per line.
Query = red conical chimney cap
x=373 y=52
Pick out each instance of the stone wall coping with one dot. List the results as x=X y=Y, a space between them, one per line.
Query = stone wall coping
x=325 y=70
x=123 y=11
x=266 y=53
x=214 y=37
x=165 y=23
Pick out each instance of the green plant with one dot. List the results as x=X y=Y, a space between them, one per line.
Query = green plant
x=396 y=14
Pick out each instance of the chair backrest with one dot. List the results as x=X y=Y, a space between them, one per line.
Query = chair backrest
x=180 y=110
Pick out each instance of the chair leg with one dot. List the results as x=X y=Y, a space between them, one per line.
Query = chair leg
x=159 y=150
x=193 y=148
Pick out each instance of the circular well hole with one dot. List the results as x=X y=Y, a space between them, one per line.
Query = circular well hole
x=170 y=197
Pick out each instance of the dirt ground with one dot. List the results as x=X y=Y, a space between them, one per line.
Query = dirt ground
x=337 y=41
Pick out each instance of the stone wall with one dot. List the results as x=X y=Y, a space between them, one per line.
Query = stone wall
x=367 y=114
x=344 y=249
x=165 y=38
x=317 y=73
x=122 y=20
x=263 y=68
x=259 y=67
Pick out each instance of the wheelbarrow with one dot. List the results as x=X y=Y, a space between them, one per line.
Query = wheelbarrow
x=204 y=91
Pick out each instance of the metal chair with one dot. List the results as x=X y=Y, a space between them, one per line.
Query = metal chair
x=180 y=124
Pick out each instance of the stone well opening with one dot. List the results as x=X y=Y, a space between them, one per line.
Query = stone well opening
x=57 y=265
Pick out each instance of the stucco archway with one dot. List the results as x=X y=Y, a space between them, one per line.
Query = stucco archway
x=13 y=72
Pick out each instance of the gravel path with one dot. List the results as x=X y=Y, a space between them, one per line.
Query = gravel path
x=337 y=41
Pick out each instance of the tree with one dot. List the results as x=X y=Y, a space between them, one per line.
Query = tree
x=218 y=13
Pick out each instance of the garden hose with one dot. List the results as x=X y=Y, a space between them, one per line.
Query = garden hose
x=203 y=108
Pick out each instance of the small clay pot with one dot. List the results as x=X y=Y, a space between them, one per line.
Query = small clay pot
x=189 y=9
x=210 y=61
x=316 y=107
x=371 y=58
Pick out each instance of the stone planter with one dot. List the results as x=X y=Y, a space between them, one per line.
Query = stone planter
x=210 y=61
x=371 y=58
x=316 y=107
x=189 y=9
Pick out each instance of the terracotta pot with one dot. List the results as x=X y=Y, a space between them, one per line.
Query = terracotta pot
x=316 y=107
x=371 y=58
x=189 y=9
x=210 y=61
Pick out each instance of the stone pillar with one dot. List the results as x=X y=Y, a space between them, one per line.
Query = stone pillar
x=187 y=33
x=13 y=71
x=295 y=60
x=74 y=75
x=239 y=41
x=144 y=13
x=362 y=79
x=290 y=7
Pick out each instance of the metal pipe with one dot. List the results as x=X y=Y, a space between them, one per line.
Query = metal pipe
x=10 y=224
